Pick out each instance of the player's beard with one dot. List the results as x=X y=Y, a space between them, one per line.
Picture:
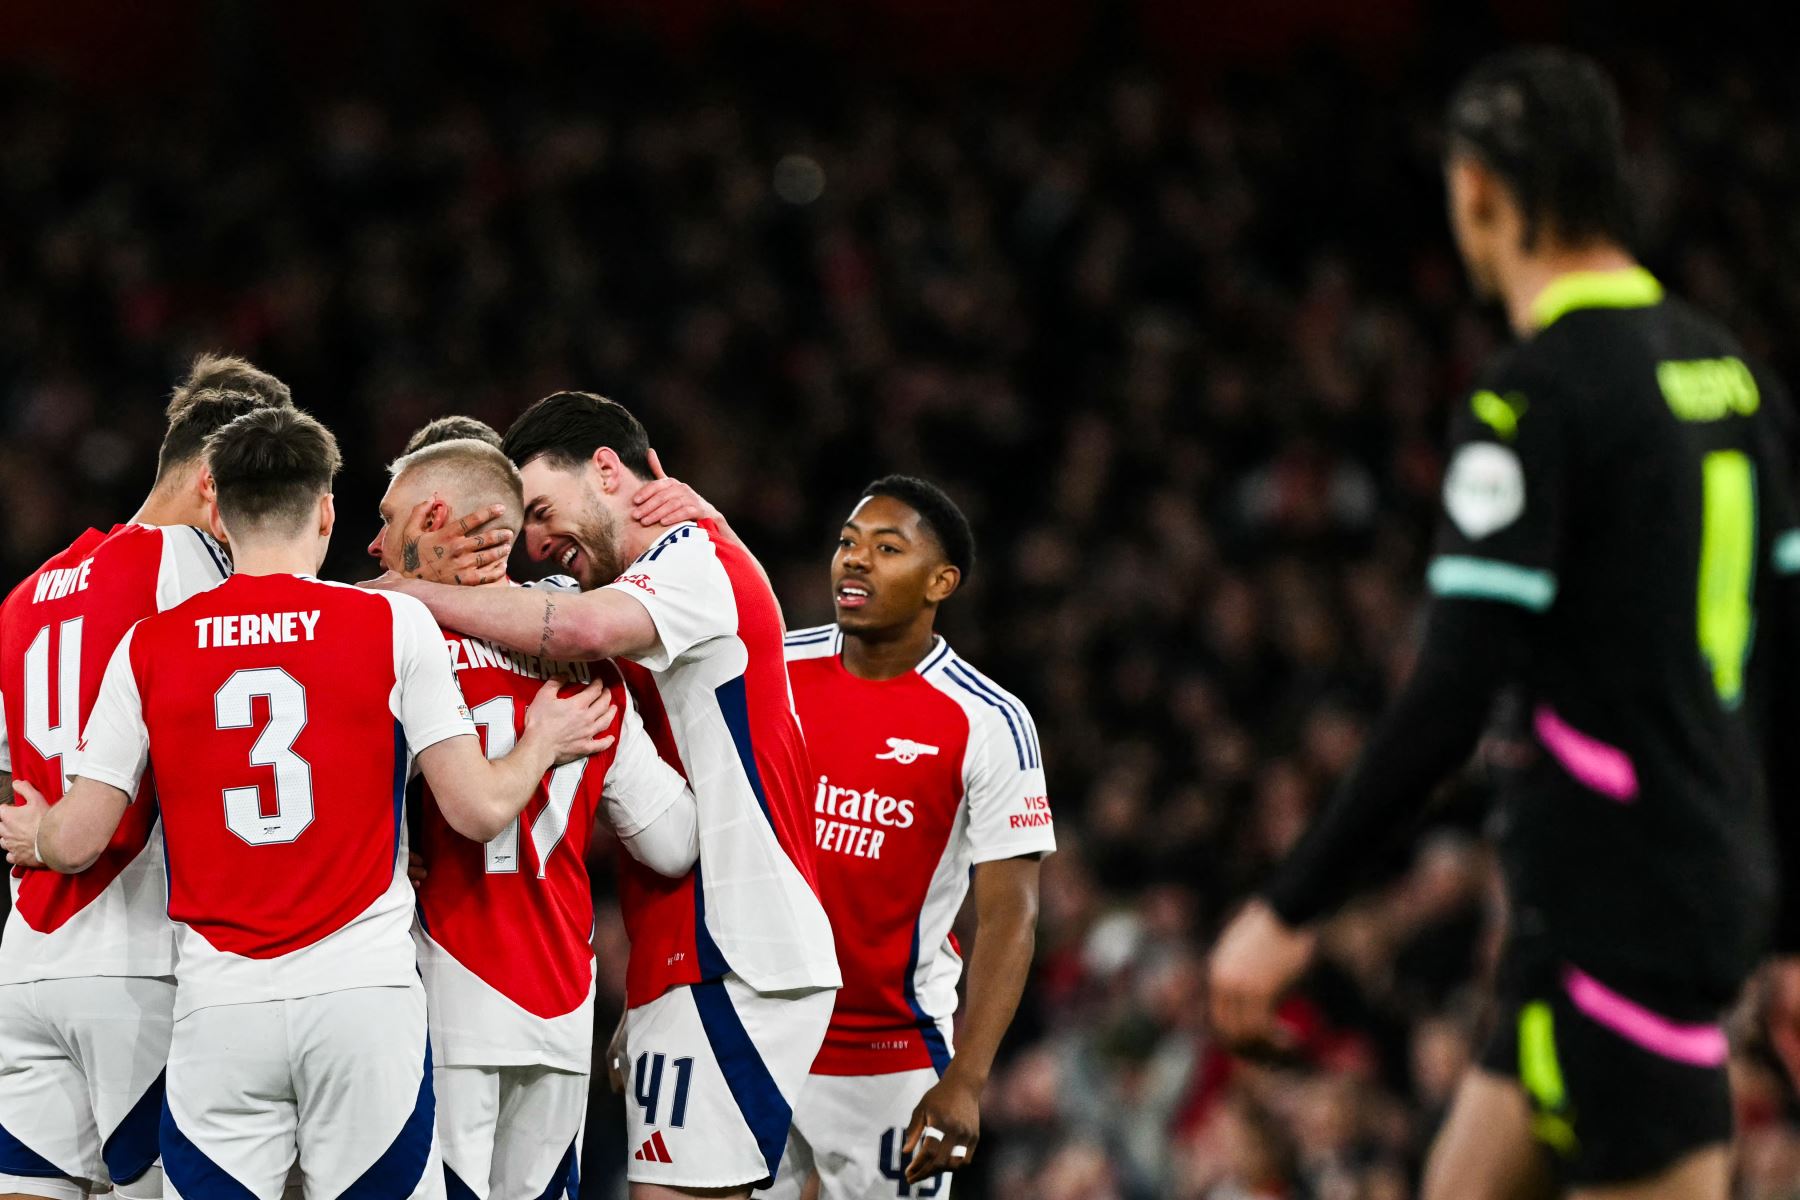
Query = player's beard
x=597 y=533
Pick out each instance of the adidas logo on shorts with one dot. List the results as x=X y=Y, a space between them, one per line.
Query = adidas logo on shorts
x=654 y=1150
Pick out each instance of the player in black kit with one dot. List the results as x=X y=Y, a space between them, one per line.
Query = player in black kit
x=1617 y=557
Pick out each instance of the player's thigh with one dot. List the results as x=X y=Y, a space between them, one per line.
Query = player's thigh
x=1702 y=1175
x=1485 y=1150
x=229 y=1118
x=715 y=1071
x=468 y=1121
x=796 y=1177
x=119 y=1028
x=538 y=1147
x=1619 y=1093
x=49 y=1142
x=856 y=1125
x=362 y=1077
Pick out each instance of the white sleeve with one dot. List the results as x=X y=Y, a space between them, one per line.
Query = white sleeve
x=115 y=745
x=1003 y=777
x=641 y=789
x=682 y=584
x=428 y=702
x=191 y=563
x=5 y=749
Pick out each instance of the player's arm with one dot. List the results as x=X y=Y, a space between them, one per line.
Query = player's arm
x=479 y=797
x=70 y=836
x=1432 y=728
x=568 y=626
x=649 y=804
x=1006 y=915
x=114 y=753
x=1008 y=833
x=1504 y=496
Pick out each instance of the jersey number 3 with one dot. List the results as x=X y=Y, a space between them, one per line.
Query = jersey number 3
x=234 y=707
x=1727 y=568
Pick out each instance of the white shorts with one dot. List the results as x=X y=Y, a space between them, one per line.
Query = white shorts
x=713 y=1074
x=849 y=1129
x=510 y=1132
x=339 y=1082
x=81 y=1065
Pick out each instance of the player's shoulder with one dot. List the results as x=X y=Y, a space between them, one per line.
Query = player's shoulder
x=989 y=706
x=679 y=543
x=819 y=641
x=68 y=557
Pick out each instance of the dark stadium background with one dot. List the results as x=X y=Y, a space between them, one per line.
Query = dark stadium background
x=1160 y=290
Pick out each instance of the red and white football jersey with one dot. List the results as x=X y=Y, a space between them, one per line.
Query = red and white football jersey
x=714 y=695
x=279 y=716
x=916 y=779
x=505 y=927
x=58 y=629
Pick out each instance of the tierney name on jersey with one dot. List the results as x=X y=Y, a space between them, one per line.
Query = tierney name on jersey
x=256 y=629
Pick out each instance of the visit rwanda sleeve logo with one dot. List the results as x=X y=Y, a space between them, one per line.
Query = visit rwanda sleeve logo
x=903 y=751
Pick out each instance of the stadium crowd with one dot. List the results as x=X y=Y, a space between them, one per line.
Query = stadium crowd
x=1182 y=350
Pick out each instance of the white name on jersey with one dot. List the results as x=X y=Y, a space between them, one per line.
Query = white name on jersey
x=54 y=585
x=256 y=629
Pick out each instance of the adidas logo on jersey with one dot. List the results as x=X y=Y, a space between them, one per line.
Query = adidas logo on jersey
x=654 y=1150
x=902 y=750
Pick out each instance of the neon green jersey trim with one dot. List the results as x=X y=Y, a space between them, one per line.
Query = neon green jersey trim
x=1465 y=578
x=1541 y=1073
x=1499 y=413
x=1633 y=287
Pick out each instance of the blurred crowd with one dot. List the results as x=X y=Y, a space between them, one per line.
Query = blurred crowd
x=1182 y=348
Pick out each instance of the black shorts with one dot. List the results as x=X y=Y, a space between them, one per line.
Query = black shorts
x=1618 y=1090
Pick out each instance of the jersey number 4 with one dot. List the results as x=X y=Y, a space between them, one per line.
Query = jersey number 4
x=496 y=719
x=54 y=742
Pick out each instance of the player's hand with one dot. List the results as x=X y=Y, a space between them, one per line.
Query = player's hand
x=1782 y=1013
x=945 y=1127
x=615 y=1059
x=1257 y=958
x=469 y=549
x=415 y=868
x=19 y=825
x=572 y=725
x=665 y=501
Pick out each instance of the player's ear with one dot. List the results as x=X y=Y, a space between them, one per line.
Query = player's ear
x=611 y=470
x=215 y=524
x=327 y=515
x=437 y=515
x=943 y=583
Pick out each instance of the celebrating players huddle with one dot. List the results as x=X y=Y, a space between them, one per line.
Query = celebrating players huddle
x=217 y=979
